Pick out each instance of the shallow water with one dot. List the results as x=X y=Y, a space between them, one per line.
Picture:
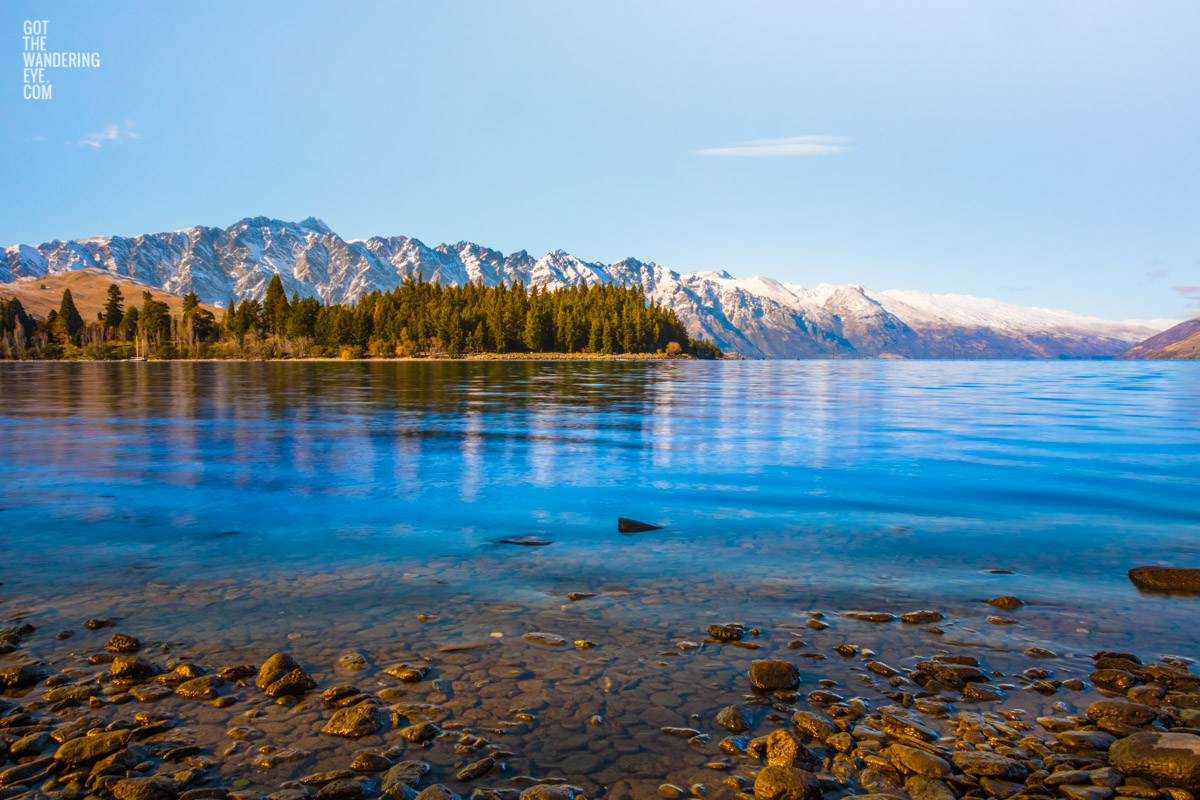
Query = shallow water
x=235 y=509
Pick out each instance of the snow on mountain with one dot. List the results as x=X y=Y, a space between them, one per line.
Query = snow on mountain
x=757 y=316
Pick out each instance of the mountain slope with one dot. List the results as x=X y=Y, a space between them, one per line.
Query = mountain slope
x=757 y=317
x=1182 y=341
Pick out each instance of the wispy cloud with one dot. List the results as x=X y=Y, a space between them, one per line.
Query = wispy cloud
x=112 y=134
x=1191 y=294
x=787 y=146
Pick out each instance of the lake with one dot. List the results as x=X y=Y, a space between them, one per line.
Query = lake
x=230 y=510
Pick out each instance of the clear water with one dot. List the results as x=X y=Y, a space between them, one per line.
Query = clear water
x=234 y=509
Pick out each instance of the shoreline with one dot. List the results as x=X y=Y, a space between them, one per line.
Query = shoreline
x=830 y=703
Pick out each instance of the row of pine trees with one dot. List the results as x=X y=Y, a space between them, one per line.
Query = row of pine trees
x=416 y=319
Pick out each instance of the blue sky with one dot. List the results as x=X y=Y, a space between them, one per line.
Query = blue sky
x=1043 y=153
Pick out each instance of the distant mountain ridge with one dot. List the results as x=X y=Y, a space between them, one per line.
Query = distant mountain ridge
x=756 y=317
x=1179 y=342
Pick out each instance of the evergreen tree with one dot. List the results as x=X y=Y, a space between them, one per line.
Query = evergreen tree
x=69 y=321
x=113 y=308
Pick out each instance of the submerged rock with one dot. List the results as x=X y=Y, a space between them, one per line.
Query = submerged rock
x=786 y=783
x=1166 y=579
x=774 y=675
x=354 y=722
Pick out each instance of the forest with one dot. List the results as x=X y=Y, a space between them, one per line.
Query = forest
x=416 y=319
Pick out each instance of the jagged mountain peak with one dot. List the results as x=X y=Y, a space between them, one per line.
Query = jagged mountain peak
x=756 y=316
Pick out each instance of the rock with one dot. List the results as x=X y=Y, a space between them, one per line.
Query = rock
x=990 y=765
x=29 y=745
x=923 y=617
x=130 y=669
x=202 y=688
x=783 y=749
x=438 y=792
x=1168 y=759
x=238 y=672
x=633 y=526
x=98 y=623
x=420 y=732
x=410 y=673
x=346 y=789
x=727 y=632
x=870 y=616
x=150 y=693
x=275 y=668
x=921 y=788
x=342 y=696
x=575 y=597
x=23 y=772
x=286 y=755
x=1171 y=677
x=981 y=692
x=369 y=761
x=911 y=761
x=1006 y=602
x=404 y=773
x=774 y=675
x=1114 y=680
x=1128 y=713
x=476 y=769
x=785 y=783
x=1040 y=652
x=546 y=791
x=354 y=722
x=1000 y=789
x=954 y=675
x=19 y=677
x=525 y=541
x=87 y=749
x=123 y=643
x=295 y=682
x=150 y=788
x=1085 y=740
x=813 y=724
x=548 y=639
x=1085 y=792
x=736 y=718
x=1166 y=579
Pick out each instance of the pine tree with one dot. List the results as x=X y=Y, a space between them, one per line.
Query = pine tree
x=68 y=317
x=113 y=309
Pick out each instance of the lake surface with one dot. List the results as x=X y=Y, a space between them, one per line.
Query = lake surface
x=320 y=507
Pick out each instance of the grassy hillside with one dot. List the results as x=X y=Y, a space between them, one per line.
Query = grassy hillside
x=89 y=290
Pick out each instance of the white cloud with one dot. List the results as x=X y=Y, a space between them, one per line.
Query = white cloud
x=788 y=146
x=114 y=133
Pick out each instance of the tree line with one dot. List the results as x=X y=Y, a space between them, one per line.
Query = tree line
x=416 y=319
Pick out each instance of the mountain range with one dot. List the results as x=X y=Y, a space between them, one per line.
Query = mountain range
x=756 y=317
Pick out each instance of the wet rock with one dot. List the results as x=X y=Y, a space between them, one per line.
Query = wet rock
x=294 y=793
x=1168 y=759
x=1040 y=652
x=404 y=773
x=150 y=693
x=438 y=792
x=29 y=745
x=1166 y=579
x=525 y=541
x=286 y=755
x=347 y=789
x=369 y=761
x=783 y=749
x=736 y=718
x=123 y=643
x=410 y=673
x=734 y=745
x=548 y=639
x=981 y=692
x=73 y=691
x=238 y=672
x=1006 y=602
x=990 y=765
x=274 y=668
x=202 y=688
x=476 y=769
x=921 y=788
x=342 y=696
x=1171 y=677
x=1086 y=740
x=354 y=722
x=130 y=669
x=771 y=675
x=870 y=616
x=296 y=682
x=633 y=526
x=923 y=617
x=786 y=783
x=1000 y=789
x=23 y=772
x=1127 y=713
x=149 y=788
x=575 y=597
x=87 y=749
x=1114 y=680
x=727 y=632
x=911 y=761
x=954 y=675
x=813 y=724
x=97 y=623
x=420 y=732
x=21 y=676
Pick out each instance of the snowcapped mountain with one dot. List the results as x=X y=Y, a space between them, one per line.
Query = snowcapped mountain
x=757 y=317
